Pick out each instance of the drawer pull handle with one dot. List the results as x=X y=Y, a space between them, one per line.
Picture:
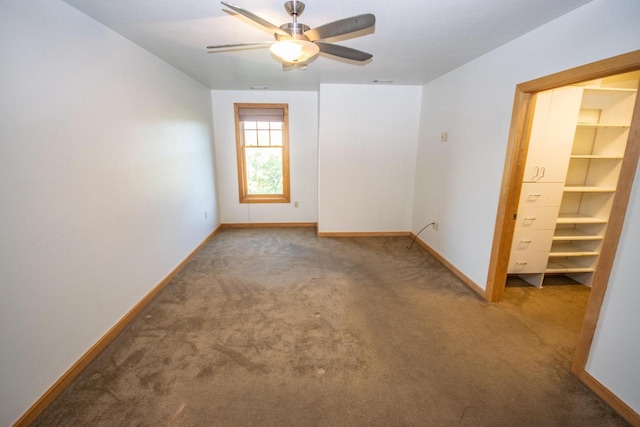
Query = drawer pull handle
x=521 y=263
x=530 y=219
x=543 y=170
x=525 y=241
x=534 y=196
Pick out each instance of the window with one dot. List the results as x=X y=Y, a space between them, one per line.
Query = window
x=262 y=144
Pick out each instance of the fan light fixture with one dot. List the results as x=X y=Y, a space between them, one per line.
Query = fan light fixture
x=296 y=43
x=294 y=50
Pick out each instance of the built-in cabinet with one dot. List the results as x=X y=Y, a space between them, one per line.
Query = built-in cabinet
x=576 y=146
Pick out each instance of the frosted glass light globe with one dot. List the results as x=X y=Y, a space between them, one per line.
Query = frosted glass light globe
x=294 y=50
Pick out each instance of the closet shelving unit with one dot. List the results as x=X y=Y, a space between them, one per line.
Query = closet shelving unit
x=579 y=133
x=598 y=148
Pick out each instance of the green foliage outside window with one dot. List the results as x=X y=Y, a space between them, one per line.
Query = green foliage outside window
x=264 y=170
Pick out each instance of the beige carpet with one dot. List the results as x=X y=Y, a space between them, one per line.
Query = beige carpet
x=277 y=327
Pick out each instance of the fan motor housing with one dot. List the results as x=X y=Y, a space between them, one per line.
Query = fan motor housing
x=294 y=7
x=295 y=29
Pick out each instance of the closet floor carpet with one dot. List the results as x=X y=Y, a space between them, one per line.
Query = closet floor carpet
x=277 y=327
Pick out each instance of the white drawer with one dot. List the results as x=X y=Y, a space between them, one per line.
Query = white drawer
x=537 y=217
x=530 y=240
x=540 y=194
x=527 y=262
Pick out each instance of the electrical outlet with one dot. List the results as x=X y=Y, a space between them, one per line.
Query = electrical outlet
x=444 y=136
x=205 y=214
x=435 y=226
x=295 y=204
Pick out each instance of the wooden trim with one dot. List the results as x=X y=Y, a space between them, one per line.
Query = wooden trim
x=610 y=242
x=608 y=396
x=63 y=382
x=266 y=198
x=521 y=120
x=242 y=183
x=607 y=67
x=364 y=234
x=243 y=190
x=465 y=279
x=268 y=224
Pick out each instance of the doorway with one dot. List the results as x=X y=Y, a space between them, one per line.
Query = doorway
x=521 y=125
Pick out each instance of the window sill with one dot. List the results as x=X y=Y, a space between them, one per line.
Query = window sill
x=265 y=198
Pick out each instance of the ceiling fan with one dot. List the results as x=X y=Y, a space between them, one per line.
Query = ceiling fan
x=296 y=43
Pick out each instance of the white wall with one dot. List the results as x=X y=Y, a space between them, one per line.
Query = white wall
x=616 y=344
x=368 y=137
x=458 y=182
x=303 y=157
x=105 y=175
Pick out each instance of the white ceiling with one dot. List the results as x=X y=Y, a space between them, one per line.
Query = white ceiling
x=414 y=41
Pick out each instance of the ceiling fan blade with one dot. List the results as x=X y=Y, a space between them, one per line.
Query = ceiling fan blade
x=343 y=26
x=255 y=18
x=230 y=46
x=343 y=52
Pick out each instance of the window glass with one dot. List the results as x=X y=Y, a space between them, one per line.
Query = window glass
x=263 y=138
x=276 y=138
x=250 y=137
x=264 y=171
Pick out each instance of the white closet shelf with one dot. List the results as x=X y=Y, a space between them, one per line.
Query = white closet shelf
x=567 y=265
x=573 y=234
x=570 y=250
x=579 y=219
x=611 y=89
x=588 y=189
x=597 y=156
x=572 y=254
x=603 y=125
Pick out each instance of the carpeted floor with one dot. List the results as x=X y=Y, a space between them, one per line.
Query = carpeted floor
x=277 y=327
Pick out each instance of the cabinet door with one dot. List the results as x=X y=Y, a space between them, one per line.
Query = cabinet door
x=551 y=136
x=536 y=150
x=561 y=129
